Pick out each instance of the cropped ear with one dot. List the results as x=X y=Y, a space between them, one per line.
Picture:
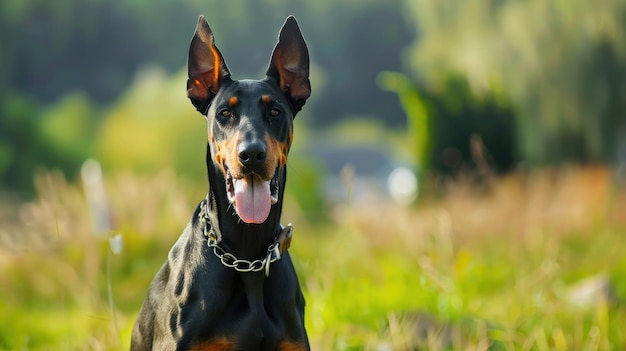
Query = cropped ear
x=205 y=67
x=289 y=65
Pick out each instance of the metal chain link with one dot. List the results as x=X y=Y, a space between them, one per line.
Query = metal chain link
x=230 y=260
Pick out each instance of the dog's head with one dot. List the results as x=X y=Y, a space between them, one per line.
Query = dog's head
x=250 y=122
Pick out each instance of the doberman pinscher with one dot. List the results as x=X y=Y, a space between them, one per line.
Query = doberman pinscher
x=228 y=282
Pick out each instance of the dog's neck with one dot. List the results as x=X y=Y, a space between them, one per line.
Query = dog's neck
x=246 y=241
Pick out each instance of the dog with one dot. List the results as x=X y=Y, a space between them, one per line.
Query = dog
x=228 y=282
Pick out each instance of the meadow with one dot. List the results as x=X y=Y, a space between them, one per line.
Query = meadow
x=528 y=261
x=531 y=260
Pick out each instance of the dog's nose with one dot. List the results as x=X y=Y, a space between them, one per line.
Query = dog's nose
x=252 y=154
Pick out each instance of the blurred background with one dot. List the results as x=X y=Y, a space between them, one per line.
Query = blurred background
x=456 y=180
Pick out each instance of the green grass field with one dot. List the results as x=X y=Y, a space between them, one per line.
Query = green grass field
x=527 y=262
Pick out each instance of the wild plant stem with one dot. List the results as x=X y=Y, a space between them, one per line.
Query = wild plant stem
x=110 y=293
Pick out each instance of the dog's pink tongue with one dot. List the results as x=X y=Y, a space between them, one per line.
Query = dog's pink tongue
x=253 y=199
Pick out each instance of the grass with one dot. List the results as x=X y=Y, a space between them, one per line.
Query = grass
x=499 y=267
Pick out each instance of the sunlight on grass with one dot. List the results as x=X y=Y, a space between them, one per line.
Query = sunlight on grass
x=534 y=262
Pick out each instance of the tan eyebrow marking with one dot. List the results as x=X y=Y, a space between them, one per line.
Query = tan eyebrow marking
x=266 y=99
x=232 y=101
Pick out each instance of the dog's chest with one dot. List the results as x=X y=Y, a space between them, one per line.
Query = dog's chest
x=230 y=311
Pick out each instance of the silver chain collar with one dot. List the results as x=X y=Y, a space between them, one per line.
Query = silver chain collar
x=231 y=261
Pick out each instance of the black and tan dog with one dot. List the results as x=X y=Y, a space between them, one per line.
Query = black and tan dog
x=228 y=282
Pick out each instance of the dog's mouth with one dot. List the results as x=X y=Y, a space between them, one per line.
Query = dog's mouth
x=252 y=196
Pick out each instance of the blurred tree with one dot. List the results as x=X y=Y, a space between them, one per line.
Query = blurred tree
x=444 y=121
x=69 y=127
x=419 y=119
x=142 y=136
x=462 y=119
x=561 y=64
x=25 y=144
x=358 y=40
x=49 y=49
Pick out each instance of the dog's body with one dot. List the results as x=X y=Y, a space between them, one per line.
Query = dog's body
x=225 y=286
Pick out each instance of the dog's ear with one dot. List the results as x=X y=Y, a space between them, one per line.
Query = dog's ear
x=290 y=64
x=205 y=67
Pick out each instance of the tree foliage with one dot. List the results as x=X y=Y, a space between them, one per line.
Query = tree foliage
x=94 y=49
x=560 y=64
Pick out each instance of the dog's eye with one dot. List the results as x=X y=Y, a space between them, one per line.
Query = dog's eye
x=274 y=112
x=226 y=113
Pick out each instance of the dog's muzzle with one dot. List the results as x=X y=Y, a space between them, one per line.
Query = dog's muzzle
x=252 y=196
